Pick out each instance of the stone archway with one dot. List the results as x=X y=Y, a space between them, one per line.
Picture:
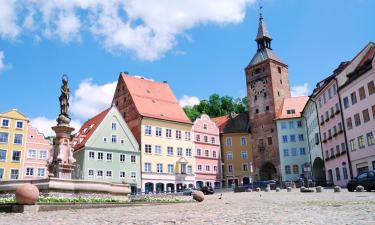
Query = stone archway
x=149 y=188
x=199 y=184
x=318 y=172
x=245 y=181
x=268 y=171
x=159 y=187
x=170 y=187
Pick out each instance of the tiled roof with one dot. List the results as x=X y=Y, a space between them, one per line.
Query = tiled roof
x=154 y=99
x=262 y=30
x=262 y=55
x=293 y=103
x=221 y=122
x=235 y=123
x=87 y=129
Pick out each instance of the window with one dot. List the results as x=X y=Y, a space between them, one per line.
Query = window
x=189 y=169
x=300 y=137
x=122 y=175
x=205 y=139
x=199 y=152
x=14 y=174
x=114 y=126
x=159 y=168
x=170 y=151
x=5 y=123
x=99 y=173
x=178 y=134
x=158 y=132
x=42 y=154
x=18 y=139
x=147 y=167
x=343 y=147
x=19 y=124
x=295 y=169
x=148 y=149
x=327 y=154
x=334 y=88
x=29 y=172
x=244 y=155
x=31 y=154
x=157 y=149
x=337 y=149
x=294 y=151
x=244 y=167
x=100 y=155
x=370 y=139
x=243 y=140
x=41 y=172
x=105 y=140
x=366 y=116
x=170 y=168
x=188 y=152
x=16 y=156
x=199 y=167
x=114 y=138
x=329 y=93
x=229 y=141
x=349 y=123
x=122 y=157
x=290 y=111
x=352 y=145
x=3 y=155
x=361 y=142
x=362 y=93
x=283 y=125
x=338 y=176
x=168 y=133
x=357 y=119
x=207 y=153
x=213 y=140
x=285 y=138
x=373 y=115
x=292 y=138
x=197 y=137
x=208 y=168
x=179 y=151
x=215 y=168
x=148 y=130
x=230 y=169
x=109 y=156
x=205 y=126
x=108 y=174
x=337 y=106
x=187 y=136
x=286 y=152
x=346 y=102
x=132 y=158
x=229 y=156
x=214 y=154
x=353 y=97
x=302 y=151
x=299 y=124
x=269 y=140
x=291 y=124
x=287 y=169
x=320 y=102
x=133 y=175
x=371 y=88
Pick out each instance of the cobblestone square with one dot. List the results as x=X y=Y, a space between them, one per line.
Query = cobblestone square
x=233 y=208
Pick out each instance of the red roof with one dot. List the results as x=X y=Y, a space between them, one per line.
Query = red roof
x=293 y=103
x=154 y=99
x=87 y=129
x=221 y=122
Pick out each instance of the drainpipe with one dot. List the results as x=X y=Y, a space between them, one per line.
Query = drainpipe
x=343 y=127
x=307 y=132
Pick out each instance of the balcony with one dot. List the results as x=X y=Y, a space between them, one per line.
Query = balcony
x=337 y=111
x=335 y=134
x=340 y=131
x=329 y=137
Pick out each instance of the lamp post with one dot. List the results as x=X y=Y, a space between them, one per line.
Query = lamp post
x=251 y=175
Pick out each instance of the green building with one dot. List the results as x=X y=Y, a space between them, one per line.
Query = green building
x=106 y=150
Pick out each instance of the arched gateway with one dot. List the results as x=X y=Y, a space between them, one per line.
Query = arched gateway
x=268 y=172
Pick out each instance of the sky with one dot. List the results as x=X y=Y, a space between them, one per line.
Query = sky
x=200 y=47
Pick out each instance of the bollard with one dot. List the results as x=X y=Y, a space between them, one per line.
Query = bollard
x=337 y=189
x=289 y=189
x=277 y=189
x=319 y=189
x=267 y=189
x=360 y=188
x=302 y=188
x=257 y=189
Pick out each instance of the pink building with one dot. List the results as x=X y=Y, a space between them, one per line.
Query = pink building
x=207 y=152
x=332 y=131
x=358 y=98
x=36 y=155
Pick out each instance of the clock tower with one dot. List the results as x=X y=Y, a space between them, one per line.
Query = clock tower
x=267 y=86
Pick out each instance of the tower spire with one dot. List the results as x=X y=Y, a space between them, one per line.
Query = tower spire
x=263 y=37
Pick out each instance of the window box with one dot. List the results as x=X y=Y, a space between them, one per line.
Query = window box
x=332 y=157
x=335 y=134
x=340 y=131
x=327 y=159
x=324 y=141
x=322 y=122
x=337 y=111
x=332 y=115
x=327 y=119
x=338 y=154
x=343 y=152
x=329 y=137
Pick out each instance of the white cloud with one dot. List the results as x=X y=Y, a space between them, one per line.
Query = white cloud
x=44 y=124
x=189 y=101
x=2 y=64
x=148 y=29
x=300 y=90
x=90 y=99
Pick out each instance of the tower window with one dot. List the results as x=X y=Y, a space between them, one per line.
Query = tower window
x=255 y=97
x=124 y=99
x=256 y=111
x=281 y=81
x=265 y=95
x=116 y=103
x=257 y=71
x=279 y=69
x=267 y=108
x=124 y=114
x=278 y=94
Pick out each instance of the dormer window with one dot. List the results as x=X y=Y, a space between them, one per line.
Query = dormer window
x=114 y=126
x=290 y=111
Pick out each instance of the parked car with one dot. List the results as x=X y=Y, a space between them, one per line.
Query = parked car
x=207 y=190
x=189 y=191
x=263 y=184
x=365 y=179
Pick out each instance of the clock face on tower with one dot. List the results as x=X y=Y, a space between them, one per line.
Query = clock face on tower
x=258 y=86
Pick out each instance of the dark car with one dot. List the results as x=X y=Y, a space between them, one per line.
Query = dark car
x=365 y=179
x=207 y=190
x=262 y=184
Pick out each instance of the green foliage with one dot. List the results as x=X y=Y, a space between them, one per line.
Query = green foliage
x=217 y=105
x=43 y=199
x=156 y=199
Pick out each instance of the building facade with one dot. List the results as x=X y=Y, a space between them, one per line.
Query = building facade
x=236 y=152
x=36 y=155
x=358 y=98
x=293 y=144
x=207 y=152
x=267 y=85
x=163 y=130
x=13 y=130
x=310 y=116
x=106 y=150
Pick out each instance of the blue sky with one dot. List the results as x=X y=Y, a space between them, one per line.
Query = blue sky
x=199 y=47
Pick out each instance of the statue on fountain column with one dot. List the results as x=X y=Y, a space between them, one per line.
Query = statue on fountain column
x=64 y=102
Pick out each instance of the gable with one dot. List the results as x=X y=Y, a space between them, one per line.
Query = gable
x=14 y=114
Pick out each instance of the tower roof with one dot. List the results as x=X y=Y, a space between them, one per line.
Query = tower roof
x=262 y=29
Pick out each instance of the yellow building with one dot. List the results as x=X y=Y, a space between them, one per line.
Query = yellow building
x=235 y=149
x=13 y=130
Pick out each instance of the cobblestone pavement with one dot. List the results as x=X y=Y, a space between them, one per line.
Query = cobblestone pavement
x=233 y=208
